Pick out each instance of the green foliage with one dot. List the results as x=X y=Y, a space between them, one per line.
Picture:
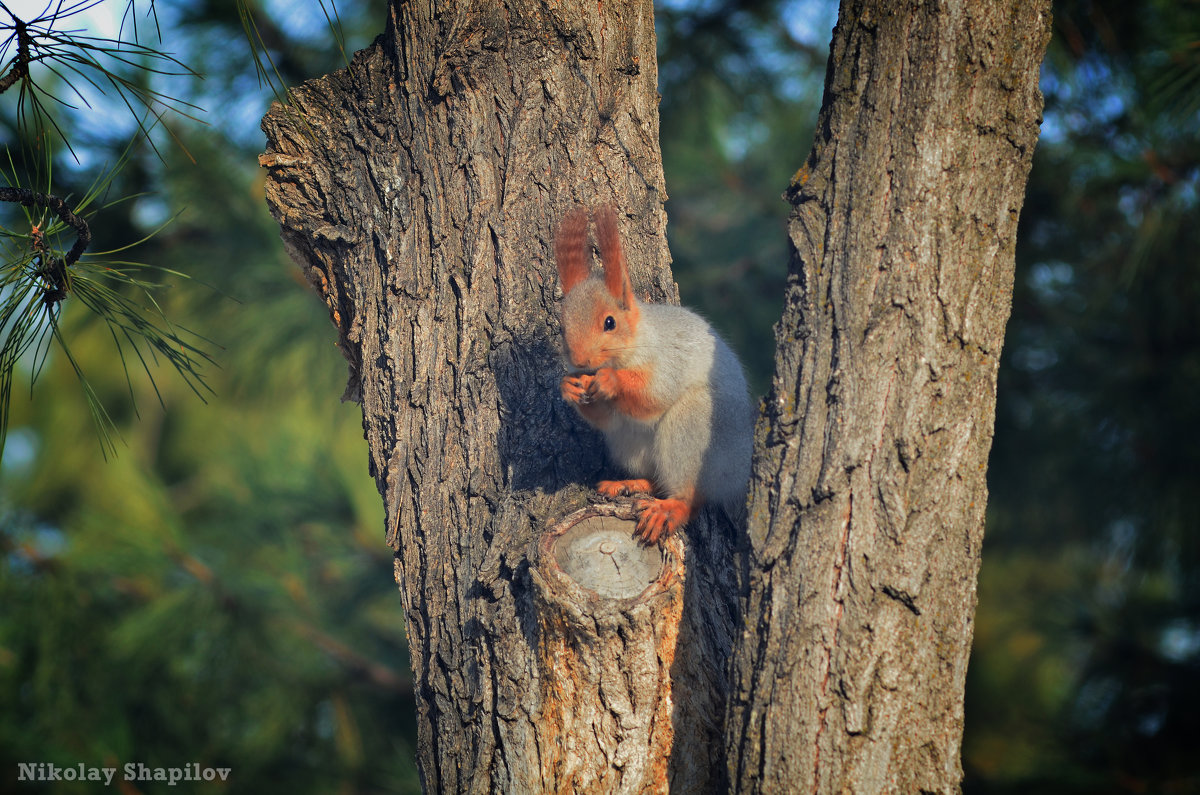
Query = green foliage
x=65 y=77
x=46 y=234
x=219 y=591
x=38 y=273
x=58 y=66
x=1092 y=556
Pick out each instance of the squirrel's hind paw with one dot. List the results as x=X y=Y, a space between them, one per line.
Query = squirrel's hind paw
x=622 y=488
x=658 y=519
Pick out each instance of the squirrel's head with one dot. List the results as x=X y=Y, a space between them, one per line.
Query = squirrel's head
x=599 y=316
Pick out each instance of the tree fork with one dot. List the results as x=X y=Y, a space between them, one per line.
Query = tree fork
x=421 y=187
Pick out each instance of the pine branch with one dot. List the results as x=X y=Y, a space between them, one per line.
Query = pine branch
x=20 y=68
x=53 y=269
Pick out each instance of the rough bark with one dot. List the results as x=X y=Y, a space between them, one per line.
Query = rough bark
x=420 y=189
x=869 y=484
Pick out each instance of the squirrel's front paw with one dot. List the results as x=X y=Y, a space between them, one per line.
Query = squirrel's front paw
x=577 y=388
x=658 y=519
x=606 y=383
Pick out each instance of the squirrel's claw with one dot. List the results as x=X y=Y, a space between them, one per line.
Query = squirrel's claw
x=606 y=383
x=577 y=388
x=622 y=488
x=658 y=519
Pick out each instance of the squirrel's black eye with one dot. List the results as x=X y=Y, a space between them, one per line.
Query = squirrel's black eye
x=609 y=323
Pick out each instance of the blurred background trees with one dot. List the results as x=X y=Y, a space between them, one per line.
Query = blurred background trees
x=1086 y=675
x=218 y=591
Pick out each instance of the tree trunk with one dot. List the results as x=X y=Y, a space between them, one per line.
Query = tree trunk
x=868 y=494
x=420 y=189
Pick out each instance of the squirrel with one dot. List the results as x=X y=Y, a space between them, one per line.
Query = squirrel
x=668 y=394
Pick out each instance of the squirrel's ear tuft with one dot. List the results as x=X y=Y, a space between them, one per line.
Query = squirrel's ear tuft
x=571 y=250
x=616 y=274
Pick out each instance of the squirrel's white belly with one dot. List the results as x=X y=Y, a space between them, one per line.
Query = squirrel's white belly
x=631 y=445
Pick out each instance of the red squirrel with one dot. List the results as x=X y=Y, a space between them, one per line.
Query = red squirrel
x=668 y=394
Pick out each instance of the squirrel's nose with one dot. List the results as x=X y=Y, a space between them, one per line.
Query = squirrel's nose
x=579 y=367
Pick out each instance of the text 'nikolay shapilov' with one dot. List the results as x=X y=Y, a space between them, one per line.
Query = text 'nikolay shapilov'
x=130 y=771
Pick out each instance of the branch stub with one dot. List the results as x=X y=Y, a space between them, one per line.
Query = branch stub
x=594 y=549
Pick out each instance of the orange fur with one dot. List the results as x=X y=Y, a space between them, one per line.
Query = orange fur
x=575 y=388
x=579 y=391
x=571 y=250
x=628 y=389
x=616 y=274
x=658 y=519
x=620 y=488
